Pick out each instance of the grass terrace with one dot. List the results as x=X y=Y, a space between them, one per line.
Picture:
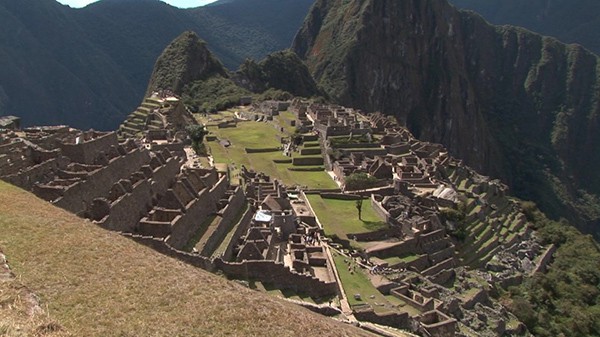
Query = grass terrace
x=264 y=135
x=284 y=119
x=355 y=281
x=340 y=217
x=397 y=259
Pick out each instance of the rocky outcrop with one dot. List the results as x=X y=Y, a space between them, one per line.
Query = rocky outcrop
x=282 y=70
x=185 y=60
x=512 y=104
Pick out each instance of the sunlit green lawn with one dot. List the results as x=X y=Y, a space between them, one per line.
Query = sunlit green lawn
x=340 y=217
x=355 y=281
x=263 y=135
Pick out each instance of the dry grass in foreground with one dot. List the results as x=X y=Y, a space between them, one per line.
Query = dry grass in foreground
x=96 y=283
x=20 y=313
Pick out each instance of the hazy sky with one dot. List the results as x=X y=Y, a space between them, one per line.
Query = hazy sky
x=176 y=3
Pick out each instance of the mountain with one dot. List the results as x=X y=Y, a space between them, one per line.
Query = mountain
x=89 y=67
x=190 y=70
x=51 y=73
x=282 y=70
x=185 y=60
x=513 y=104
x=571 y=21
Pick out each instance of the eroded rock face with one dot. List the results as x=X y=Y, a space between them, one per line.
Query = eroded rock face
x=512 y=104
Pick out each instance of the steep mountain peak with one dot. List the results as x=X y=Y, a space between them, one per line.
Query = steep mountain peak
x=511 y=103
x=185 y=60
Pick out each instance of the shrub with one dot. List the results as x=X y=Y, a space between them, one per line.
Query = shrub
x=359 y=181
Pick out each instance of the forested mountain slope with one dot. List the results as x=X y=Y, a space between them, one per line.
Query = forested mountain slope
x=511 y=103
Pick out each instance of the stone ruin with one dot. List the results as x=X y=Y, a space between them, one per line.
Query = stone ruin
x=160 y=122
x=270 y=107
x=134 y=181
x=280 y=244
x=421 y=190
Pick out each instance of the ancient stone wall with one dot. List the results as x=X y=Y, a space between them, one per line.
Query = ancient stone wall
x=163 y=176
x=199 y=209
x=359 y=146
x=307 y=161
x=78 y=197
x=419 y=264
x=379 y=235
x=442 y=255
x=45 y=192
x=413 y=298
x=442 y=277
x=219 y=188
x=310 y=151
x=230 y=213
x=262 y=150
x=545 y=259
x=340 y=196
x=396 y=320
x=437 y=324
x=175 y=148
x=26 y=178
x=379 y=209
x=239 y=231
x=446 y=264
x=278 y=275
x=161 y=246
x=87 y=151
x=127 y=210
x=408 y=246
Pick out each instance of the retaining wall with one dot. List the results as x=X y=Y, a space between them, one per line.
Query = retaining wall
x=162 y=247
x=396 y=320
x=78 y=197
x=241 y=229
x=230 y=212
x=278 y=275
x=307 y=161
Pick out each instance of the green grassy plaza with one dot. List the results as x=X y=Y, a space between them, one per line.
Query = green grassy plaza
x=340 y=217
x=261 y=135
x=356 y=282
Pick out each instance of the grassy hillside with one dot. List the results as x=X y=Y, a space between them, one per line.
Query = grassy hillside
x=96 y=283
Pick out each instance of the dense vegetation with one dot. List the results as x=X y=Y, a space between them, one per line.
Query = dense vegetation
x=185 y=60
x=90 y=67
x=216 y=93
x=359 y=181
x=189 y=69
x=283 y=70
x=570 y=21
x=565 y=301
